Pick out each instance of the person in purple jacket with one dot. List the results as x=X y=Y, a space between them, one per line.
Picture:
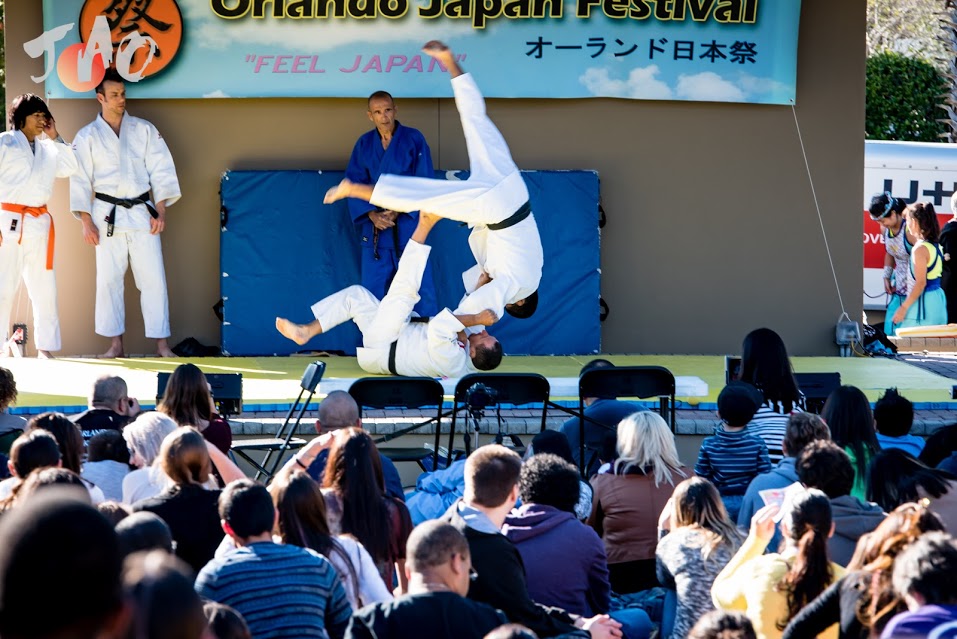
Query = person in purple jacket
x=924 y=577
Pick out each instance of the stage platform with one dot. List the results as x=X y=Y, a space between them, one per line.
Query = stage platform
x=270 y=384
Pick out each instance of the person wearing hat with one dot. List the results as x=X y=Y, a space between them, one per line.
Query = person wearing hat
x=732 y=457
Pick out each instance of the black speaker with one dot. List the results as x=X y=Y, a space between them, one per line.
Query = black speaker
x=227 y=390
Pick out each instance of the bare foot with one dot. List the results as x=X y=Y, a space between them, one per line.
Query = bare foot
x=299 y=333
x=45 y=355
x=338 y=192
x=113 y=353
x=166 y=351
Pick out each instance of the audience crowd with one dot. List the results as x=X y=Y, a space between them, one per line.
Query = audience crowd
x=124 y=524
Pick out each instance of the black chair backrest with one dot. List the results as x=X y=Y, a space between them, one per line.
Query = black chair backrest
x=227 y=390
x=397 y=392
x=627 y=381
x=312 y=375
x=817 y=387
x=509 y=388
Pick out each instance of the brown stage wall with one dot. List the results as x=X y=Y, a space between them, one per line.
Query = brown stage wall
x=711 y=226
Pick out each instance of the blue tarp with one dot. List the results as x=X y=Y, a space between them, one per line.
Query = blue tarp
x=281 y=250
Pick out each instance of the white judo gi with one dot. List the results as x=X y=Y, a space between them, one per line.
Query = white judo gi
x=26 y=185
x=421 y=349
x=494 y=192
x=127 y=166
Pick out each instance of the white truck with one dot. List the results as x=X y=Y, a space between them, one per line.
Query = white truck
x=914 y=171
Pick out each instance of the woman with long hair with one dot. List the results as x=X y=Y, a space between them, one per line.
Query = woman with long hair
x=899 y=241
x=847 y=412
x=356 y=503
x=70 y=441
x=144 y=437
x=766 y=366
x=926 y=303
x=701 y=542
x=188 y=400
x=772 y=588
x=302 y=522
x=897 y=477
x=629 y=496
x=863 y=600
x=188 y=508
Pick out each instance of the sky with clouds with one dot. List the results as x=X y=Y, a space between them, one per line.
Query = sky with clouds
x=219 y=57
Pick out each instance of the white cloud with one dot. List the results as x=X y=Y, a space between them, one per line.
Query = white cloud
x=753 y=84
x=311 y=35
x=708 y=86
x=640 y=84
x=218 y=93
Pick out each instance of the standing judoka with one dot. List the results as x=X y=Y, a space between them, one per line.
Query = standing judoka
x=388 y=148
x=29 y=164
x=121 y=160
x=391 y=343
x=493 y=201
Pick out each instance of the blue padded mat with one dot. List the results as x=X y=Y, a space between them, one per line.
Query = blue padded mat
x=281 y=250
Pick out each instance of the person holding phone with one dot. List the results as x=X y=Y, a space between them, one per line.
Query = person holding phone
x=110 y=407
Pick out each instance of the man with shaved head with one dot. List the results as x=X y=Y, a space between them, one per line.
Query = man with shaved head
x=339 y=410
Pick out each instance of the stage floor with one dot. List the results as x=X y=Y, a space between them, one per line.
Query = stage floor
x=272 y=383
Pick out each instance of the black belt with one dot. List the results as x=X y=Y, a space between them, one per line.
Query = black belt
x=523 y=212
x=392 y=348
x=126 y=203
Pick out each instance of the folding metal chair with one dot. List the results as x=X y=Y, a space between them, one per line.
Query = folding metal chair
x=496 y=389
x=402 y=392
x=276 y=447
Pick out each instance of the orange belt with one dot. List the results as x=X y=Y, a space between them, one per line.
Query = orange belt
x=35 y=211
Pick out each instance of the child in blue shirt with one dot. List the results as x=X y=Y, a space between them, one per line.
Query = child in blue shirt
x=893 y=418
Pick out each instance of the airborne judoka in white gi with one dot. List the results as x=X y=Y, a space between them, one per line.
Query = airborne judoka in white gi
x=124 y=157
x=493 y=201
x=32 y=156
x=391 y=343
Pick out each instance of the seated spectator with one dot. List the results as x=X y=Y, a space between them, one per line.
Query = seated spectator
x=940 y=450
x=8 y=397
x=701 y=541
x=110 y=407
x=356 y=504
x=606 y=410
x=142 y=532
x=280 y=590
x=772 y=588
x=70 y=442
x=893 y=418
x=545 y=527
x=766 y=366
x=188 y=400
x=144 y=437
x=187 y=506
x=165 y=606
x=863 y=600
x=114 y=511
x=107 y=463
x=924 y=578
x=225 y=623
x=802 y=429
x=42 y=478
x=723 y=624
x=439 y=570
x=555 y=442
x=337 y=411
x=823 y=465
x=31 y=450
x=896 y=477
x=302 y=522
x=57 y=548
x=732 y=457
x=491 y=490
x=847 y=412
x=630 y=496
x=511 y=631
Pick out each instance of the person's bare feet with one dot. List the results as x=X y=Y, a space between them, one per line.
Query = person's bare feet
x=45 y=355
x=338 y=192
x=162 y=347
x=116 y=349
x=299 y=333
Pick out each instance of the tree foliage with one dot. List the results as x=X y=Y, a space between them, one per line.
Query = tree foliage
x=909 y=27
x=903 y=98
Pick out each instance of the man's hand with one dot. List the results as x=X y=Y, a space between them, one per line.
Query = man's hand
x=383 y=220
x=602 y=627
x=157 y=224
x=483 y=279
x=133 y=407
x=90 y=233
x=486 y=318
